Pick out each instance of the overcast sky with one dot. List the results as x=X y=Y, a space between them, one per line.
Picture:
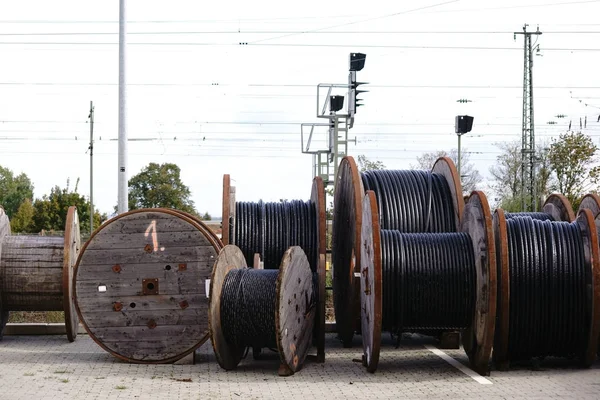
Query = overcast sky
x=201 y=100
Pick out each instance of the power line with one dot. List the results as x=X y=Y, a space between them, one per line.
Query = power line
x=363 y=20
x=179 y=21
x=567 y=3
x=267 y=32
x=290 y=85
x=324 y=45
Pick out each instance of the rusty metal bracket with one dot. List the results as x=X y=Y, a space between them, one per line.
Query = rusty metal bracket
x=150 y=286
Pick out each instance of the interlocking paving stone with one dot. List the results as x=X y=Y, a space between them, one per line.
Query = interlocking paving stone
x=48 y=367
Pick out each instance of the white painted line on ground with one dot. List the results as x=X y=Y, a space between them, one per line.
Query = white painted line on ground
x=459 y=366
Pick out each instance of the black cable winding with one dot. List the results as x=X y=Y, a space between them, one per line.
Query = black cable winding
x=271 y=228
x=541 y=216
x=411 y=201
x=248 y=308
x=548 y=309
x=428 y=281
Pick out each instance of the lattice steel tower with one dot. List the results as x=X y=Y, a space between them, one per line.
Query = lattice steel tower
x=528 y=184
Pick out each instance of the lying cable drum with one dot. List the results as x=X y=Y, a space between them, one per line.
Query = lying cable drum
x=36 y=272
x=429 y=281
x=141 y=285
x=549 y=297
x=408 y=201
x=261 y=308
x=264 y=231
x=556 y=208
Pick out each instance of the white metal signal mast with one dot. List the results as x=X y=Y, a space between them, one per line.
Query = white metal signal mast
x=326 y=161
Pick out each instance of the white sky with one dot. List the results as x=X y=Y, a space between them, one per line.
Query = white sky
x=249 y=125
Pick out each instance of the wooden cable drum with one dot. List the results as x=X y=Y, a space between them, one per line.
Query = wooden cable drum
x=556 y=208
x=140 y=285
x=269 y=229
x=548 y=288
x=591 y=202
x=429 y=281
x=36 y=272
x=409 y=201
x=261 y=308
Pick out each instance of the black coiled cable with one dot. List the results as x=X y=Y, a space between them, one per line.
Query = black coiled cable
x=248 y=308
x=428 y=281
x=541 y=216
x=412 y=201
x=548 y=311
x=271 y=228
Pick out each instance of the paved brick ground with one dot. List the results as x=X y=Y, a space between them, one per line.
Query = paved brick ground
x=48 y=367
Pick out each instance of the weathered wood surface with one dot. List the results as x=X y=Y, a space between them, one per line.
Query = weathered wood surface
x=72 y=246
x=479 y=337
x=317 y=196
x=295 y=314
x=500 y=354
x=445 y=167
x=231 y=257
x=4 y=224
x=345 y=253
x=4 y=231
x=592 y=202
x=559 y=207
x=585 y=220
x=31 y=271
x=209 y=232
x=225 y=220
x=371 y=284
x=146 y=244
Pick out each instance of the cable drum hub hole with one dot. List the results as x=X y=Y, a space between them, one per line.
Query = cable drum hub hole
x=150 y=286
x=132 y=305
x=168 y=267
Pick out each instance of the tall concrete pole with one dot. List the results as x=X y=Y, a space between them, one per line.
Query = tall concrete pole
x=91 y=166
x=123 y=184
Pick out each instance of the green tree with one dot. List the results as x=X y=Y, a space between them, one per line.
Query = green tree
x=571 y=157
x=14 y=190
x=22 y=222
x=206 y=217
x=51 y=210
x=470 y=176
x=364 y=164
x=506 y=176
x=160 y=186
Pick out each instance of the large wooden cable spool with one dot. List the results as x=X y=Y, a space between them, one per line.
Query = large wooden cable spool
x=294 y=315
x=559 y=207
x=36 y=272
x=591 y=202
x=140 y=285
x=317 y=197
x=478 y=336
x=346 y=238
x=590 y=270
